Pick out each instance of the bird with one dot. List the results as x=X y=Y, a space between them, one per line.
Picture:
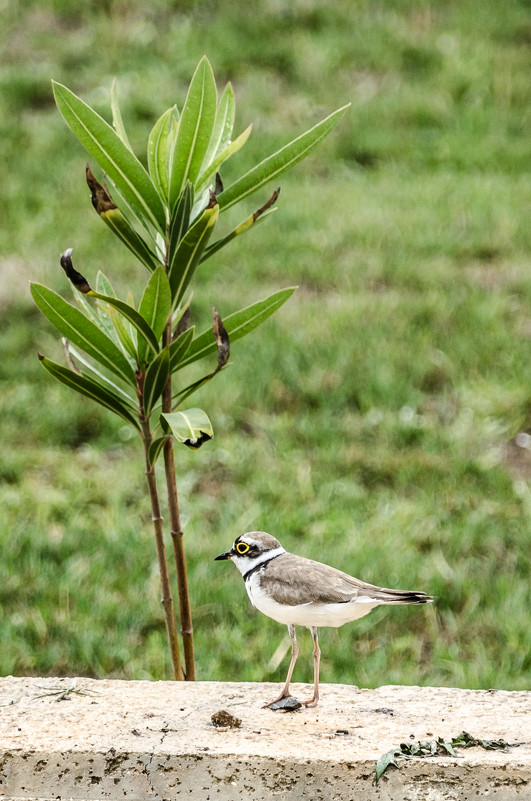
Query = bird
x=298 y=591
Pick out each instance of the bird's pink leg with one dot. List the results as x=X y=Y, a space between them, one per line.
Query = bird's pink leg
x=294 y=655
x=316 y=659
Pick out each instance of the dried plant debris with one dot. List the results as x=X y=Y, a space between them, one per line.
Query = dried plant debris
x=225 y=720
x=438 y=747
x=65 y=693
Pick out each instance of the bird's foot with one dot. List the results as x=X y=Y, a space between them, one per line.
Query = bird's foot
x=277 y=700
x=285 y=703
x=311 y=702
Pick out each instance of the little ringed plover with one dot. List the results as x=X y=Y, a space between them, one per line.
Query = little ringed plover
x=300 y=592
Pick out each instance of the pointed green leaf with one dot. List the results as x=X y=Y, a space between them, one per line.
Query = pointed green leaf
x=222 y=130
x=180 y=218
x=223 y=347
x=115 y=327
x=195 y=129
x=103 y=379
x=240 y=229
x=179 y=348
x=119 y=225
x=123 y=332
x=103 y=285
x=157 y=150
x=274 y=165
x=155 y=380
x=179 y=324
x=155 y=307
x=191 y=427
x=141 y=245
x=105 y=323
x=111 y=323
x=146 y=231
x=91 y=389
x=155 y=449
x=104 y=144
x=222 y=157
x=83 y=303
x=186 y=257
x=180 y=397
x=82 y=331
x=238 y=324
x=134 y=317
x=117 y=121
x=175 y=122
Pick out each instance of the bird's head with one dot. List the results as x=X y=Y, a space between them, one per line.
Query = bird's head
x=252 y=549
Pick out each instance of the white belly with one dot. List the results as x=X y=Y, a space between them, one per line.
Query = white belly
x=310 y=614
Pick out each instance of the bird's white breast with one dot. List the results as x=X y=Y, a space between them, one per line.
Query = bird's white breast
x=307 y=614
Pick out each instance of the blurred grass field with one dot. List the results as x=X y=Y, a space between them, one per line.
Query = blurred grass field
x=379 y=422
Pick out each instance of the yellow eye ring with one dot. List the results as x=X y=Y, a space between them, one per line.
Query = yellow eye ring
x=242 y=548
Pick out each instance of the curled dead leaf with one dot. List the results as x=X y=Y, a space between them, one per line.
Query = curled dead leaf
x=78 y=280
x=101 y=200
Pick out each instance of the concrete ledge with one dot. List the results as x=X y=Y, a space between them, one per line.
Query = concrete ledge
x=144 y=740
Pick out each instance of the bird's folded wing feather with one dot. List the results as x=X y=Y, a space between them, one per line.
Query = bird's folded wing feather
x=299 y=580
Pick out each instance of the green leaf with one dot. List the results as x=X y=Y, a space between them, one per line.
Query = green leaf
x=82 y=332
x=186 y=257
x=222 y=130
x=180 y=218
x=195 y=129
x=155 y=448
x=386 y=760
x=277 y=163
x=104 y=144
x=117 y=116
x=125 y=232
x=191 y=427
x=123 y=332
x=223 y=347
x=134 y=317
x=83 y=303
x=103 y=379
x=179 y=348
x=104 y=287
x=238 y=324
x=103 y=284
x=155 y=307
x=157 y=150
x=180 y=397
x=182 y=311
x=240 y=229
x=225 y=154
x=155 y=380
x=91 y=389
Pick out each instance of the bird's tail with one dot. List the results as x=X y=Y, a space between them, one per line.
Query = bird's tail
x=404 y=597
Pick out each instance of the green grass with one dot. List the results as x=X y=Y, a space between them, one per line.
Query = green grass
x=370 y=424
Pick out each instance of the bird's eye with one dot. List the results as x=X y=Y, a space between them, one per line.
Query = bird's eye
x=242 y=548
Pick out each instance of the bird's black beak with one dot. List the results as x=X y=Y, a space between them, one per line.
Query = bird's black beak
x=226 y=555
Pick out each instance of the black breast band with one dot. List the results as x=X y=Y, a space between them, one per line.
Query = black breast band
x=258 y=566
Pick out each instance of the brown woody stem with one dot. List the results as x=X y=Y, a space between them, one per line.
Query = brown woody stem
x=167 y=600
x=177 y=533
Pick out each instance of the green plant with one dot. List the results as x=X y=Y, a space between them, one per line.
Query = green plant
x=126 y=357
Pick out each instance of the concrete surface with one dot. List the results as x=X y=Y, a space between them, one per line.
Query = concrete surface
x=143 y=740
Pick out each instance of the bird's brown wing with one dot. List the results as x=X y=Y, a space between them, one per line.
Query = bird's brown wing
x=296 y=580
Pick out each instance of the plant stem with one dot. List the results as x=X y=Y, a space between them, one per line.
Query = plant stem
x=167 y=600
x=177 y=534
